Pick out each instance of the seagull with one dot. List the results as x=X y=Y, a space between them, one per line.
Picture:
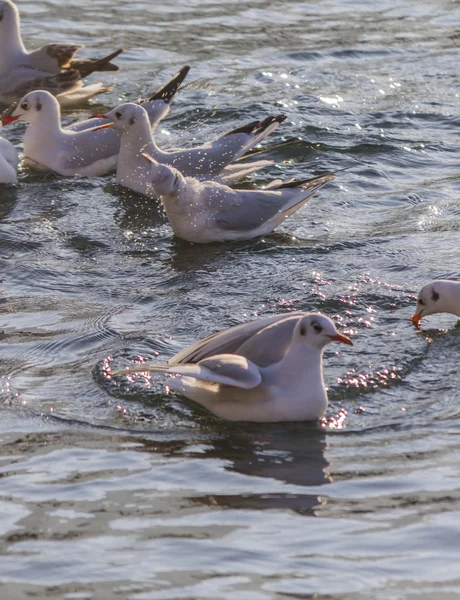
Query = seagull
x=213 y=161
x=51 y=67
x=205 y=211
x=440 y=296
x=267 y=370
x=8 y=162
x=79 y=149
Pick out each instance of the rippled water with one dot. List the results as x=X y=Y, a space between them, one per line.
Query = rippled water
x=109 y=491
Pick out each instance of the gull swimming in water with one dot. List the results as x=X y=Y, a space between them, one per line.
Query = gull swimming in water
x=440 y=296
x=205 y=211
x=267 y=370
x=51 y=67
x=213 y=161
x=8 y=162
x=80 y=149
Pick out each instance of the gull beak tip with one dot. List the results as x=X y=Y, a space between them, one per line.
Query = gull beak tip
x=344 y=339
x=416 y=320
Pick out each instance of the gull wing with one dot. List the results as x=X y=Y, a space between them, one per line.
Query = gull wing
x=85 y=148
x=236 y=143
x=22 y=80
x=53 y=57
x=229 y=341
x=225 y=369
x=244 y=210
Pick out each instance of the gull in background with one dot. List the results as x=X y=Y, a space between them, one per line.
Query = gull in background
x=51 y=67
x=440 y=296
x=80 y=149
x=268 y=370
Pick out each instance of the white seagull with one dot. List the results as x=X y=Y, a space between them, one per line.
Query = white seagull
x=80 y=149
x=267 y=370
x=8 y=162
x=51 y=67
x=213 y=161
x=440 y=296
x=204 y=211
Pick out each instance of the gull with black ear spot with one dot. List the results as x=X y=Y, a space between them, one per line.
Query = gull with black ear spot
x=218 y=160
x=266 y=370
x=440 y=296
x=66 y=151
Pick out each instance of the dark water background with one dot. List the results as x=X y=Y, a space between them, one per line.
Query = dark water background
x=109 y=491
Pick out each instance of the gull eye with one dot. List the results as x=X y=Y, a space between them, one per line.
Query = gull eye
x=132 y=121
x=435 y=296
x=118 y=114
x=25 y=106
x=317 y=327
x=39 y=106
x=421 y=302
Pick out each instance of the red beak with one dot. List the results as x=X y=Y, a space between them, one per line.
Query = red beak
x=98 y=116
x=342 y=338
x=8 y=120
x=416 y=320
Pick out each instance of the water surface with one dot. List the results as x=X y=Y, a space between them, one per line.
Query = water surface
x=113 y=490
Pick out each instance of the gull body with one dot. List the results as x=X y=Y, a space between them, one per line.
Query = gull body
x=51 y=67
x=80 y=149
x=440 y=296
x=213 y=161
x=267 y=370
x=8 y=162
x=203 y=211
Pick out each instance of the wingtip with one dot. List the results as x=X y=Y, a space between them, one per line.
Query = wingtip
x=168 y=91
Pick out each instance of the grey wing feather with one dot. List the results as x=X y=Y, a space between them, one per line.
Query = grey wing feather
x=87 y=147
x=251 y=209
x=27 y=80
x=226 y=369
x=269 y=345
x=228 y=341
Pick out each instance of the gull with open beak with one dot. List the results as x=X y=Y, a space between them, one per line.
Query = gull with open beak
x=268 y=370
x=441 y=296
x=51 y=67
x=81 y=149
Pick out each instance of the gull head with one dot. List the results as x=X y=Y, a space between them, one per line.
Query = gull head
x=34 y=106
x=442 y=296
x=9 y=16
x=126 y=118
x=317 y=330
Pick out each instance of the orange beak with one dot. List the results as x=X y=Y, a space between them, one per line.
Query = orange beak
x=416 y=320
x=98 y=116
x=8 y=120
x=341 y=338
x=104 y=126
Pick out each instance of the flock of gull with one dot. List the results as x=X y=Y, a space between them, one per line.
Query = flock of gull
x=266 y=370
